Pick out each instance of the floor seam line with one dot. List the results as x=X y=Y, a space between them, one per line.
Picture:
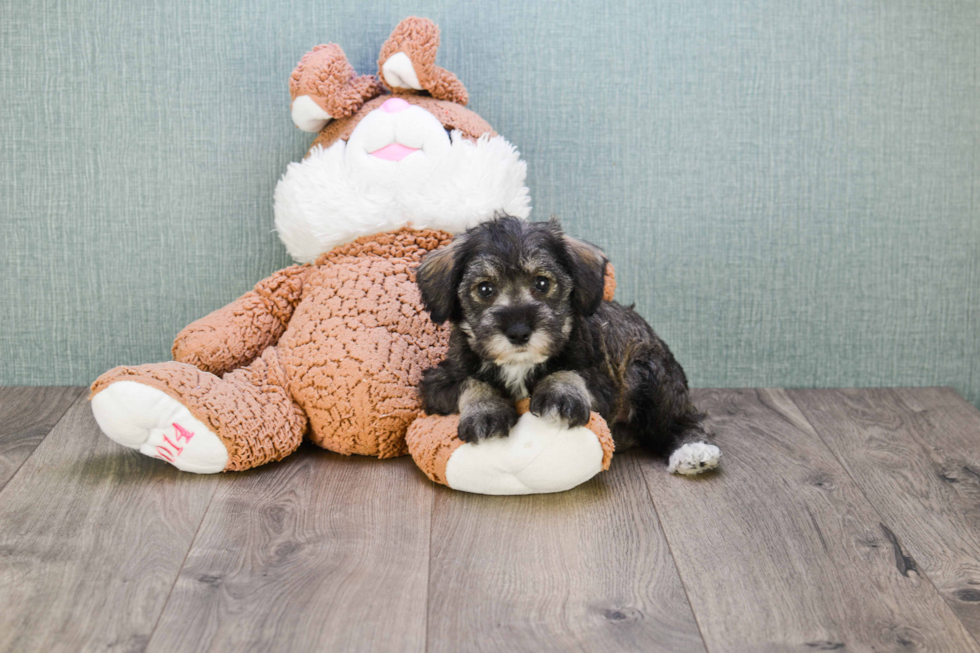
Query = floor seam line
x=670 y=550
x=428 y=565
x=183 y=562
x=874 y=507
x=61 y=417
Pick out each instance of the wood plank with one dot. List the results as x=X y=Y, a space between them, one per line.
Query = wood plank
x=92 y=538
x=321 y=552
x=26 y=416
x=587 y=569
x=781 y=550
x=916 y=455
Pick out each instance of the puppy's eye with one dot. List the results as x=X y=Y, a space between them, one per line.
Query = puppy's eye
x=541 y=284
x=485 y=289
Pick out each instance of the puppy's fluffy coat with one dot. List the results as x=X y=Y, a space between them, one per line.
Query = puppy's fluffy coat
x=528 y=320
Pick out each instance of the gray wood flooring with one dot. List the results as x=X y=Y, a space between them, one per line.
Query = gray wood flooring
x=841 y=520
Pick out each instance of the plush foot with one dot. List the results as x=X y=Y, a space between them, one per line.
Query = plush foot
x=157 y=425
x=694 y=458
x=538 y=456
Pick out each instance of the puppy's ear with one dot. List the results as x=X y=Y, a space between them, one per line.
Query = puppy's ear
x=588 y=274
x=438 y=279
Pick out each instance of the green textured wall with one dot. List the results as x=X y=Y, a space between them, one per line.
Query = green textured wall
x=789 y=190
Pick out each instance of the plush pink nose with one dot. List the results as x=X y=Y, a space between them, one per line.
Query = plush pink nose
x=395 y=104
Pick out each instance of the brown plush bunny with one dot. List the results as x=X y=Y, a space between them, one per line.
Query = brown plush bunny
x=334 y=347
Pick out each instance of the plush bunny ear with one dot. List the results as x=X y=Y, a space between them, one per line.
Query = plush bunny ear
x=408 y=62
x=324 y=86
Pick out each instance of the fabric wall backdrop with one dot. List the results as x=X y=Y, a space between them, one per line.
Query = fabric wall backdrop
x=789 y=190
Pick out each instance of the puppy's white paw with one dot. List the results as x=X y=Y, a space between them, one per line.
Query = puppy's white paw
x=157 y=425
x=694 y=458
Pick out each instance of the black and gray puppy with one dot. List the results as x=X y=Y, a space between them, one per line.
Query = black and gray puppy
x=529 y=320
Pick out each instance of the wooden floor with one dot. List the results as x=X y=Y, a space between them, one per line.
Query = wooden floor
x=840 y=520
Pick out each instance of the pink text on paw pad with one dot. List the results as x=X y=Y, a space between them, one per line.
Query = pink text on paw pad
x=169 y=454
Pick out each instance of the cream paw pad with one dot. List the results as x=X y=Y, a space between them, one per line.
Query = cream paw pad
x=539 y=455
x=157 y=425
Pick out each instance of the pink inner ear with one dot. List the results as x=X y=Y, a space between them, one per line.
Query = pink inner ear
x=395 y=151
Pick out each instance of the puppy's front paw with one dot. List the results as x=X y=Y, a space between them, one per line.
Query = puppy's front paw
x=486 y=422
x=555 y=402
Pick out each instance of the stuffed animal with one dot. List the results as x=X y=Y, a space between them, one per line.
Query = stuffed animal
x=333 y=348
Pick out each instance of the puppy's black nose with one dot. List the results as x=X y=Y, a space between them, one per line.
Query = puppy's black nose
x=518 y=333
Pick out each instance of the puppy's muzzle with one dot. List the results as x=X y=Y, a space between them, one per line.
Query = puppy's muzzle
x=518 y=333
x=517 y=323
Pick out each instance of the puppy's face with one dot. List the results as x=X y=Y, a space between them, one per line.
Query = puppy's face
x=515 y=304
x=513 y=288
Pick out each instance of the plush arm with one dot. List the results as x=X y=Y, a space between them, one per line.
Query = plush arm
x=233 y=336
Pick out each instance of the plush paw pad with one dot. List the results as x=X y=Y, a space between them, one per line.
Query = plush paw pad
x=157 y=425
x=538 y=456
x=694 y=458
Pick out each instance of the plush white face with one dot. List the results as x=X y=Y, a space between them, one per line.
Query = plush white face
x=399 y=143
x=399 y=168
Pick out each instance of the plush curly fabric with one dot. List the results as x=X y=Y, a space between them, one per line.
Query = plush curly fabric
x=248 y=409
x=234 y=335
x=418 y=38
x=431 y=439
x=341 y=347
x=359 y=341
x=325 y=75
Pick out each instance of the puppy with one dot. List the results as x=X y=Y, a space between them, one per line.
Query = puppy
x=528 y=320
